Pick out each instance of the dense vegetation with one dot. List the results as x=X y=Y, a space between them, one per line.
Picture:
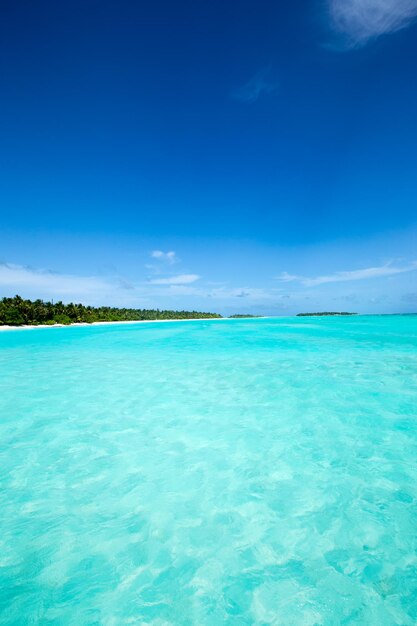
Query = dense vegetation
x=17 y=312
x=326 y=313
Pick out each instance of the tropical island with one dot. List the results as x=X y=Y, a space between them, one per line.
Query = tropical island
x=319 y=314
x=238 y=316
x=20 y=312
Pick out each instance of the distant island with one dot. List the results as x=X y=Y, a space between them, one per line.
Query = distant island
x=242 y=316
x=325 y=313
x=19 y=312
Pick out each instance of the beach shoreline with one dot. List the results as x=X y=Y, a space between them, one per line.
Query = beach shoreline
x=34 y=326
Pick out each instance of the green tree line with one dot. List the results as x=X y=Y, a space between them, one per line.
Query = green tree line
x=321 y=313
x=18 y=312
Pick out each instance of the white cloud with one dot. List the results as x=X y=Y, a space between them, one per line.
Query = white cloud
x=361 y=20
x=114 y=291
x=287 y=278
x=34 y=283
x=44 y=283
x=181 y=279
x=362 y=274
x=257 y=294
x=169 y=257
x=169 y=292
x=254 y=88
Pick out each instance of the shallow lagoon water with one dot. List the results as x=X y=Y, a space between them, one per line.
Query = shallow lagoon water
x=242 y=472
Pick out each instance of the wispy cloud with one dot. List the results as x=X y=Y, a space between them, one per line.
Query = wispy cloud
x=361 y=274
x=287 y=278
x=169 y=257
x=40 y=283
x=179 y=291
x=257 y=294
x=181 y=279
x=362 y=20
x=257 y=86
x=95 y=290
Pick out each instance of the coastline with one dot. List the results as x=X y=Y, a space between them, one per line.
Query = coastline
x=34 y=326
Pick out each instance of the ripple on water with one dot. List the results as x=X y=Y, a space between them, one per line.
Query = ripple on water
x=252 y=472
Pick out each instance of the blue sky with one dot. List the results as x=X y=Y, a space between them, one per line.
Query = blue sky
x=236 y=157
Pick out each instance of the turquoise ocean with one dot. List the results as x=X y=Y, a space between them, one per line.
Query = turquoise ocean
x=238 y=472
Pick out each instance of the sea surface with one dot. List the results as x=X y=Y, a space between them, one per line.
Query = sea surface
x=209 y=473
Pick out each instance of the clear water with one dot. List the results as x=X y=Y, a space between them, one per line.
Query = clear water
x=222 y=472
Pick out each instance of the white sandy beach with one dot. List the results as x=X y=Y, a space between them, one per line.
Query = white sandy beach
x=33 y=326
